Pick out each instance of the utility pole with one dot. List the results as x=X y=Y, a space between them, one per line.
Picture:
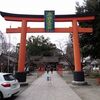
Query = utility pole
x=98 y=5
x=9 y=53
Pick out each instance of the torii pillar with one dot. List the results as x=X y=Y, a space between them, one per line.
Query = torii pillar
x=78 y=73
x=22 y=49
x=21 y=75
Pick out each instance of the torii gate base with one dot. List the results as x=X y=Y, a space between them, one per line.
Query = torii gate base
x=79 y=78
x=78 y=74
x=21 y=76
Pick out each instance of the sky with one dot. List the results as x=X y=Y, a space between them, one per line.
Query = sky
x=37 y=7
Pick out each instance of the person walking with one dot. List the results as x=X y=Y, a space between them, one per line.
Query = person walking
x=48 y=70
x=51 y=70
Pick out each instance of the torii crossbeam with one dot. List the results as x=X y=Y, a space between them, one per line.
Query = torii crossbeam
x=75 y=29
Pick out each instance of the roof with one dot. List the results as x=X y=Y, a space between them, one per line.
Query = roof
x=37 y=59
x=3 y=14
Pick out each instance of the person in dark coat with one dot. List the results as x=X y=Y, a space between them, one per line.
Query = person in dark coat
x=51 y=70
x=48 y=68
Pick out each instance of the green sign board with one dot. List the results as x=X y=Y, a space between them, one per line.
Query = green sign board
x=49 y=21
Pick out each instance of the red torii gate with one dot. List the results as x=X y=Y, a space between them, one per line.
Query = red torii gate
x=78 y=74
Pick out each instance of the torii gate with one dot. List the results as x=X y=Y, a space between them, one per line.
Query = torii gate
x=78 y=73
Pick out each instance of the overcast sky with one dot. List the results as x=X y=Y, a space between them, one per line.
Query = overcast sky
x=37 y=7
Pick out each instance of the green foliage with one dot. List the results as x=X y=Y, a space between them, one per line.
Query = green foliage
x=39 y=46
x=95 y=74
x=90 y=43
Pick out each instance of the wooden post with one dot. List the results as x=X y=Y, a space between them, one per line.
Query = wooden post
x=78 y=73
x=22 y=50
x=76 y=47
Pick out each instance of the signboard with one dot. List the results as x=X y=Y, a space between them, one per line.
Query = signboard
x=49 y=21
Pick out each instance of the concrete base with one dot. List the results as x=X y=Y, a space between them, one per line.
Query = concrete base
x=24 y=83
x=79 y=76
x=21 y=76
x=79 y=83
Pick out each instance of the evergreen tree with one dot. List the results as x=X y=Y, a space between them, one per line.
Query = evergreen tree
x=90 y=43
x=39 y=46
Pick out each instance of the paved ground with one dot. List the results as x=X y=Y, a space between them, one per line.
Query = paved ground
x=30 y=78
x=88 y=92
x=55 y=89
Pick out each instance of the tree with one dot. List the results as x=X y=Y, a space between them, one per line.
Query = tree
x=68 y=54
x=39 y=46
x=90 y=43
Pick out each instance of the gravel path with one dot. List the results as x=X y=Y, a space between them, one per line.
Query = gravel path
x=88 y=92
